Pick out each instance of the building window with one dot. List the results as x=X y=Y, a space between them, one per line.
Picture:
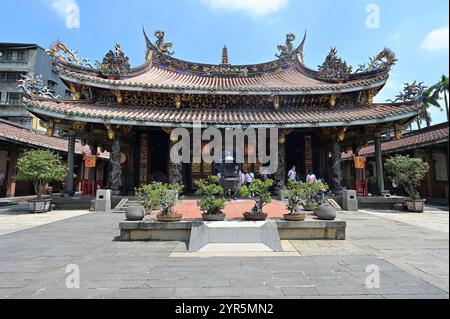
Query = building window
x=10 y=76
x=6 y=56
x=13 y=98
x=22 y=56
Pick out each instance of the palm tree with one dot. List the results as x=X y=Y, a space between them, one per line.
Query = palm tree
x=442 y=88
x=430 y=98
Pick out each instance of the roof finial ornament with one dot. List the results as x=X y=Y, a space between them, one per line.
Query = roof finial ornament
x=334 y=68
x=225 y=60
x=285 y=50
x=161 y=45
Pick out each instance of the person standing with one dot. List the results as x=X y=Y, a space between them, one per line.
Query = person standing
x=292 y=175
x=242 y=179
x=249 y=177
x=311 y=178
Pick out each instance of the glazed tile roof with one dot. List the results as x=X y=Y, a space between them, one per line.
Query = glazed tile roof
x=168 y=116
x=431 y=135
x=287 y=81
x=17 y=133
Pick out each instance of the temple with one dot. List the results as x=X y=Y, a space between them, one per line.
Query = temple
x=130 y=112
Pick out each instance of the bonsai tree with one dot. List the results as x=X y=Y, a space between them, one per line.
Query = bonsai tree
x=149 y=195
x=40 y=167
x=315 y=193
x=259 y=191
x=407 y=172
x=170 y=194
x=213 y=200
x=297 y=195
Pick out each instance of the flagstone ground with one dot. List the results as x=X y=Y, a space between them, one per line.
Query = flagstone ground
x=411 y=251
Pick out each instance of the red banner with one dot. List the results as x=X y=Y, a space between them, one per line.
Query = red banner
x=90 y=161
x=360 y=162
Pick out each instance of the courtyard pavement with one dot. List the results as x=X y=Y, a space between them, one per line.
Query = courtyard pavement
x=410 y=250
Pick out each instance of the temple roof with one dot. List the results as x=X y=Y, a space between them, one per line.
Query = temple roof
x=432 y=135
x=16 y=133
x=165 y=116
x=163 y=73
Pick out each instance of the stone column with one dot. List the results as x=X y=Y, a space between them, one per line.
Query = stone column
x=336 y=168
x=12 y=171
x=116 y=168
x=175 y=170
x=379 y=163
x=70 y=164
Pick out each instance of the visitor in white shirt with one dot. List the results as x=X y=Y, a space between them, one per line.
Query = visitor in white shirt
x=292 y=175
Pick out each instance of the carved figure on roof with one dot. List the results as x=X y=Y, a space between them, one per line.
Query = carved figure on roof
x=334 y=68
x=162 y=46
x=61 y=51
x=115 y=63
x=384 y=59
x=31 y=85
x=288 y=48
x=413 y=92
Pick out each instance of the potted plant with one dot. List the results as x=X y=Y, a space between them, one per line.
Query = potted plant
x=170 y=195
x=296 y=194
x=149 y=196
x=213 y=200
x=259 y=191
x=323 y=210
x=40 y=167
x=409 y=173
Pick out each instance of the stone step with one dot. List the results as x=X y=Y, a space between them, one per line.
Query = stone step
x=235 y=236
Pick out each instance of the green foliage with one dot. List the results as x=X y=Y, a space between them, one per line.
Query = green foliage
x=40 y=167
x=315 y=193
x=149 y=195
x=259 y=191
x=297 y=195
x=159 y=194
x=213 y=200
x=407 y=172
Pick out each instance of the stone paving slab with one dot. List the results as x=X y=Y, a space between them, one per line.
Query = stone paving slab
x=33 y=264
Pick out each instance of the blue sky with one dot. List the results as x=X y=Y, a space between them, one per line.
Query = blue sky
x=416 y=30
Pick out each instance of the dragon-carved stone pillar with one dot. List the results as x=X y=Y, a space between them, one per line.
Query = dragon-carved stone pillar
x=336 y=168
x=175 y=170
x=379 y=163
x=280 y=175
x=70 y=163
x=116 y=169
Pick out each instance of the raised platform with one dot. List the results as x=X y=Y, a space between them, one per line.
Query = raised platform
x=78 y=202
x=379 y=203
x=311 y=229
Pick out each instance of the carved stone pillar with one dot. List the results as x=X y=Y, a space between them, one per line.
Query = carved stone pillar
x=336 y=168
x=379 y=163
x=175 y=170
x=12 y=171
x=280 y=175
x=70 y=164
x=116 y=169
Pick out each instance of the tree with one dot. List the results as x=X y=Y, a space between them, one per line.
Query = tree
x=430 y=98
x=442 y=88
x=407 y=172
x=259 y=191
x=40 y=167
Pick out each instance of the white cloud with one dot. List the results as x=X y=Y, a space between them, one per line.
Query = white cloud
x=436 y=40
x=252 y=7
x=69 y=11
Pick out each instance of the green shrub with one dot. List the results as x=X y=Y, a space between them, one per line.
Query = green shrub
x=40 y=167
x=213 y=200
x=407 y=172
x=259 y=191
x=159 y=194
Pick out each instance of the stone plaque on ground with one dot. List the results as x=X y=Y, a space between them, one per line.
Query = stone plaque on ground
x=235 y=236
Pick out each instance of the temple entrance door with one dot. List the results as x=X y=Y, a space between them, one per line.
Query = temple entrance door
x=159 y=157
x=295 y=153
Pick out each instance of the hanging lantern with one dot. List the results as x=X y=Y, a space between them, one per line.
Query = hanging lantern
x=341 y=135
x=398 y=134
x=282 y=139
x=178 y=102
x=50 y=132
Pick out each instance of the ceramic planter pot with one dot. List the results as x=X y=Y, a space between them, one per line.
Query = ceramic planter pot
x=326 y=212
x=255 y=217
x=416 y=206
x=295 y=218
x=37 y=206
x=213 y=217
x=135 y=213
x=172 y=218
